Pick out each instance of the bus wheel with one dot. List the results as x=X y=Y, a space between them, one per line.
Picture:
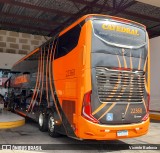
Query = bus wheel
x=42 y=122
x=51 y=126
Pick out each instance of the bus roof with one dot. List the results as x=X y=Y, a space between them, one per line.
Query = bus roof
x=100 y=15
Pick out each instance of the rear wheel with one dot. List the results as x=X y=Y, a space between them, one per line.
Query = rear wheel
x=42 y=122
x=51 y=126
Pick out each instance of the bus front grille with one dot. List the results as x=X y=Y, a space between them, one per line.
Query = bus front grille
x=120 y=85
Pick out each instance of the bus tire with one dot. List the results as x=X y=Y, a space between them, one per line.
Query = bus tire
x=43 y=122
x=51 y=126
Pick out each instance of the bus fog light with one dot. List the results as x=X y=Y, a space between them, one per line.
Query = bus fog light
x=137 y=129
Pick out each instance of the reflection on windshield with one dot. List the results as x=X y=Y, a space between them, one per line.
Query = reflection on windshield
x=119 y=33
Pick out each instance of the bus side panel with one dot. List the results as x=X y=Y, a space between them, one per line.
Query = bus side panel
x=25 y=81
x=85 y=78
x=68 y=73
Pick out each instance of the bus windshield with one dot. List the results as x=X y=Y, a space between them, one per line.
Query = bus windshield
x=119 y=34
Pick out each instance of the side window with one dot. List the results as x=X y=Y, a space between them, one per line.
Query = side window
x=67 y=42
x=29 y=64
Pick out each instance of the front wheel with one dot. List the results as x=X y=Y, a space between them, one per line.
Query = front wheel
x=51 y=126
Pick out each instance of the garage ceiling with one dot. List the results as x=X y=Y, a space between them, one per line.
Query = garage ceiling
x=48 y=17
x=151 y=2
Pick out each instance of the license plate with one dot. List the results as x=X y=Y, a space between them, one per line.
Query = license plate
x=122 y=133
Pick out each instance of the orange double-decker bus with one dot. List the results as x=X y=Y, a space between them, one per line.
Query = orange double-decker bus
x=91 y=81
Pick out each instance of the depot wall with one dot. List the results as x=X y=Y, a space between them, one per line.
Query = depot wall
x=15 y=45
x=7 y=59
x=155 y=73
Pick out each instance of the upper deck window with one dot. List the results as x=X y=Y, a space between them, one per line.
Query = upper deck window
x=67 y=42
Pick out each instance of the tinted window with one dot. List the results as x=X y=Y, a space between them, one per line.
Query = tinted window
x=119 y=33
x=29 y=65
x=67 y=42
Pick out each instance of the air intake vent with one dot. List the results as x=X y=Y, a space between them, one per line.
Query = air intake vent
x=120 y=85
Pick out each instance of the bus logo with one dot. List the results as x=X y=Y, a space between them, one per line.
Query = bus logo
x=120 y=29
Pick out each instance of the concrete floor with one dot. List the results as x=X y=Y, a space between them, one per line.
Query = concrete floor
x=30 y=134
x=155 y=104
x=7 y=116
x=10 y=120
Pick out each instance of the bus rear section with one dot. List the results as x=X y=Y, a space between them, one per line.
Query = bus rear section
x=115 y=104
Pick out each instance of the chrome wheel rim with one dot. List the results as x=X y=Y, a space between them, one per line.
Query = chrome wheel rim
x=51 y=123
x=41 y=119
